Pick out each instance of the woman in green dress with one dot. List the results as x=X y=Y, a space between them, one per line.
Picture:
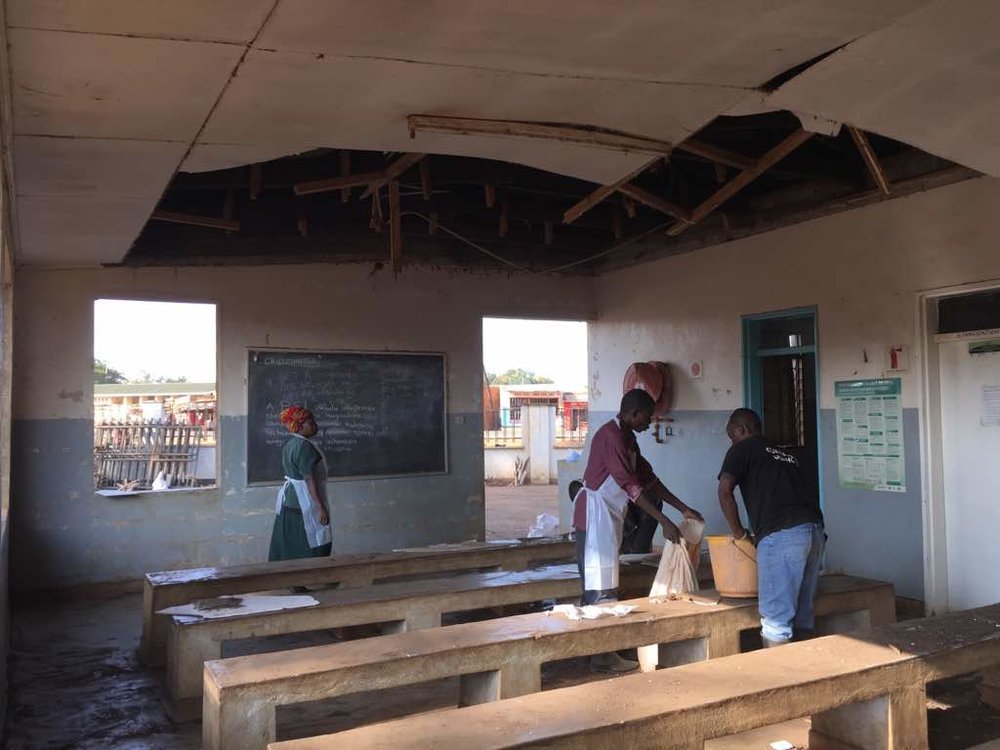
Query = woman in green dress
x=302 y=520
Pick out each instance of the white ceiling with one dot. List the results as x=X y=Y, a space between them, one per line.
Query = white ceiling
x=110 y=97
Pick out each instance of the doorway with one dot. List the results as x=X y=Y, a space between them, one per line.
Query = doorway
x=967 y=343
x=780 y=377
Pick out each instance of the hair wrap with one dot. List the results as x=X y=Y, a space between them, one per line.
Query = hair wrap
x=294 y=417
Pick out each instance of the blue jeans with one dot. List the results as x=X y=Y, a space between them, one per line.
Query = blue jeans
x=592 y=596
x=788 y=571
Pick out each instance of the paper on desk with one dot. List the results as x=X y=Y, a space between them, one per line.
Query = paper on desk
x=591 y=611
x=247 y=604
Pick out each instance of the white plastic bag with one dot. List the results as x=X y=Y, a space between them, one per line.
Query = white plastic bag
x=675 y=574
x=545 y=524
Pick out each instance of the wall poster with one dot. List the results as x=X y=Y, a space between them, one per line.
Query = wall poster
x=870 y=434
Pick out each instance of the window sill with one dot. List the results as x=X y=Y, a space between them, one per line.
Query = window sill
x=116 y=494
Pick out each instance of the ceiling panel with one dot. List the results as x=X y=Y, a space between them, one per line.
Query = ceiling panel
x=46 y=166
x=114 y=87
x=691 y=41
x=79 y=231
x=932 y=80
x=285 y=103
x=201 y=20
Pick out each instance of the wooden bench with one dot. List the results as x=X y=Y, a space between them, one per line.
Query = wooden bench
x=169 y=588
x=863 y=690
x=495 y=659
x=413 y=605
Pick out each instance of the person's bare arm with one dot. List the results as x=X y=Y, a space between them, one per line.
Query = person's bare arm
x=727 y=501
x=670 y=532
x=321 y=513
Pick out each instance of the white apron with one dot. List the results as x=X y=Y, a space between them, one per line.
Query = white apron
x=605 y=521
x=316 y=533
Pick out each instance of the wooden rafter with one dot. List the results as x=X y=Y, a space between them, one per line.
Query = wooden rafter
x=345 y=171
x=662 y=205
x=581 y=207
x=395 y=229
x=391 y=172
x=336 y=183
x=715 y=153
x=576 y=134
x=743 y=179
x=870 y=158
x=426 y=186
x=211 y=222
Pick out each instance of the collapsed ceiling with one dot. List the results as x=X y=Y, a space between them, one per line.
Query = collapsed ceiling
x=112 y=98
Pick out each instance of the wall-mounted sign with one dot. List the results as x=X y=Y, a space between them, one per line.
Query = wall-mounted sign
x=870 y=434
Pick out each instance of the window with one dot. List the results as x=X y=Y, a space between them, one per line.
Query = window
x=155 y=396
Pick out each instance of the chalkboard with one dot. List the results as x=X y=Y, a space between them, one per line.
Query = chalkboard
x=379 y=413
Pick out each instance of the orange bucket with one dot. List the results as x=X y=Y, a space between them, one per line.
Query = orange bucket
x=734 y=566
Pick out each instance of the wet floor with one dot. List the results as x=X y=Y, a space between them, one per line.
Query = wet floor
x=75 y=682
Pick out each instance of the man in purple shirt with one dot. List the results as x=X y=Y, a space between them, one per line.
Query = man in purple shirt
x=616 y=475
x=617 y=472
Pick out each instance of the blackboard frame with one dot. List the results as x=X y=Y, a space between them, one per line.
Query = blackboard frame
x=250 y=350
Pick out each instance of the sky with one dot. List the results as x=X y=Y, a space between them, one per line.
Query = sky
x=167 y=339
x=178 y=339
x=555 y=349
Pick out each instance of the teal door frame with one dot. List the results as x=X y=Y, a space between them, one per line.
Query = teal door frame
x=753 y=387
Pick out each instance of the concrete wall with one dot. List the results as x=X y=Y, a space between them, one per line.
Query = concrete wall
x=862 y=270
x=499 y=462
x=64 y=534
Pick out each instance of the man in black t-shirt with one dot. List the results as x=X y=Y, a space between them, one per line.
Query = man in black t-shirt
x=787 y=526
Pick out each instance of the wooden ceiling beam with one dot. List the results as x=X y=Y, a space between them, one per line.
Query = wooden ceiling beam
x=870 y=158
x=392 y=172
x=395 y=229
x=581 y=207
x=336 y=183
x=715 y=153
x=196 y=220
x=662 y=205
x=744 y=178
x=576 y=134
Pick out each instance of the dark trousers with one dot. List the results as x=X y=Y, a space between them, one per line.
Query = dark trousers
x=592 y=596
x=640 y=527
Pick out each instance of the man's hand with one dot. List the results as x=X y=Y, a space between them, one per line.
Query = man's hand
x=670 y=532
x=322 y=516
x=693 y=515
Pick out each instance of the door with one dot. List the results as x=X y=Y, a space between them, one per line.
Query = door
x=970 y=440
x=780 y=383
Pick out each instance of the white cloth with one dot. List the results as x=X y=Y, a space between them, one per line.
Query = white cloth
x=605 y=519
x=316 y=533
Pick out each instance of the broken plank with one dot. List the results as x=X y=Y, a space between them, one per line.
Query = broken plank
x=870 y=158
x=391 y=172
x=744 y=178
x=336 y=183
x=578 y=134
x=211 y=222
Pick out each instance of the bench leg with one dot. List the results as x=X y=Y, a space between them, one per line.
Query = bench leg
x=186 y=657
x=723 y=642
x=516 y=677
x=421 y=621
x=897 y=721
x=844 y=622
x=672 y=654
x=237 y=725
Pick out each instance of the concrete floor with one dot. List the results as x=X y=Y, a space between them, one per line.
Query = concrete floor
x=510 y=511
x=75 y=681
